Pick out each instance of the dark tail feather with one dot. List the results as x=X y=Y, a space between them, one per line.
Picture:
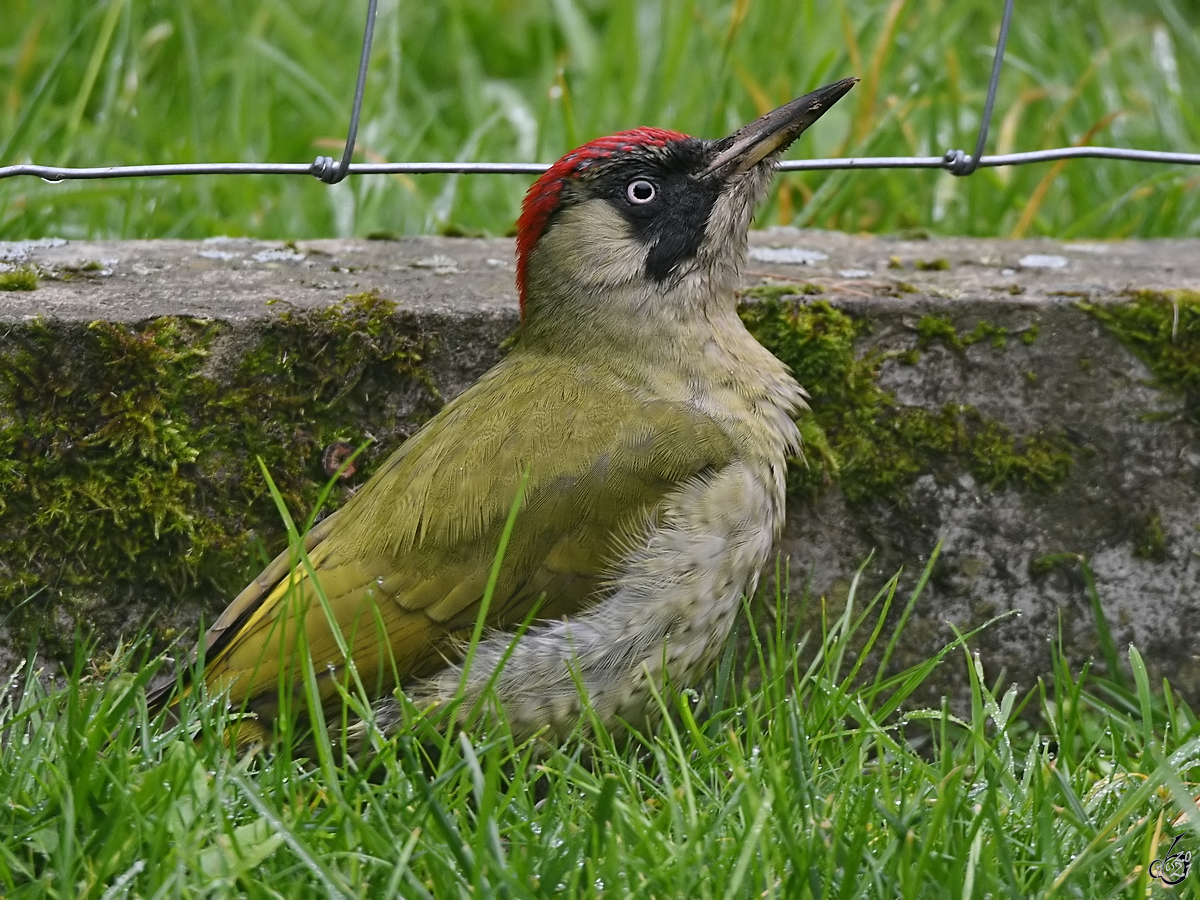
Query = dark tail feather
x=159 y=698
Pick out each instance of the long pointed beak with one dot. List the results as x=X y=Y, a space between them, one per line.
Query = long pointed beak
x=775 y=131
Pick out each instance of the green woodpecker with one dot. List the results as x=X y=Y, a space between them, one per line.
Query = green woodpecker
x=651 y=432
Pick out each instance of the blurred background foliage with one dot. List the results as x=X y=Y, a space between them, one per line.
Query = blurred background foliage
x=105 y=82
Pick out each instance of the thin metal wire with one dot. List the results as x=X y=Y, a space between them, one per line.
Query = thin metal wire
x=56 y=174
x=322 y=166
x=1000 y=159
x=956 y=162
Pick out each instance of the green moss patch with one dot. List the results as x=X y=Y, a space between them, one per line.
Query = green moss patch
x=1150 y=539
x=858 y=437
x=1162 y=328
x=128 y=453
x=939 y=329
x=932 y=265
x=23 y=279
x=790 y=289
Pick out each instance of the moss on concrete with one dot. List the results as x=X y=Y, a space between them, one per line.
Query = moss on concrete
x=939 y=329
x=1162 y=328
x=1150 y=539
x=23 y=279
x=128 y=453
x=790 y=289
x=932 y=265
x=858 y=437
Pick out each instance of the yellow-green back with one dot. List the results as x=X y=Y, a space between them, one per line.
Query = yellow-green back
x=404 y=564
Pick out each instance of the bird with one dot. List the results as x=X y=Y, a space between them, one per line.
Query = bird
x=632 y=445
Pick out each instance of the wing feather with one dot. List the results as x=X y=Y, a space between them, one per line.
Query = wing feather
x=404 y=564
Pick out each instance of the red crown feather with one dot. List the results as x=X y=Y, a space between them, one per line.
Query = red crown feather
x=543 y=196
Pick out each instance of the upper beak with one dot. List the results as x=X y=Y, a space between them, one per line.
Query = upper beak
x=775 y=131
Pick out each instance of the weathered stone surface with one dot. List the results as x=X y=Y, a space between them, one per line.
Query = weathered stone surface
x=1130 y=504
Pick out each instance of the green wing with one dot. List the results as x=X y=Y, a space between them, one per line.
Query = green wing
x=404 y=564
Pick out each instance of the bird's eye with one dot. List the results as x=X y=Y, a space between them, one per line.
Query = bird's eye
x=641 y=191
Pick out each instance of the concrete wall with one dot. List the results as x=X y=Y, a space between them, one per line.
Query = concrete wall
x=1026 y=402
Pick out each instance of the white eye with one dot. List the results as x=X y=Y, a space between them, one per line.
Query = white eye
x=641 y=191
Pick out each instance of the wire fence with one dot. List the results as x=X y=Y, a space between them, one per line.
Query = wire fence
x=326 y=169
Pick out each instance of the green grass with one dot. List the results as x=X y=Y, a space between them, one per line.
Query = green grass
x=802 y=770
x=141 y=81
x=805 y=768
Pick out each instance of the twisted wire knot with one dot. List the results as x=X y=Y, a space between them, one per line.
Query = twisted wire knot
x=326 y=169
x=957 y=162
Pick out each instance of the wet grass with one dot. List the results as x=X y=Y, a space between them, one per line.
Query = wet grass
x=802 y=770
x=805 y=768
